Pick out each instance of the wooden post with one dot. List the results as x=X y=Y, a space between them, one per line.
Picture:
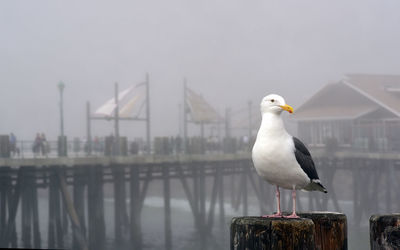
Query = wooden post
x=120 y=211
x=35 y=213
x=167 y=208
x=136 y=230
x=214 y=194
x=330 y=230
x=79 y=198
x=70 y=209
x=385 y=231
x=4 y=187
x=96 y=224
x=26 y=214
x=55 y=234
x=8 y=234
x=271 y=233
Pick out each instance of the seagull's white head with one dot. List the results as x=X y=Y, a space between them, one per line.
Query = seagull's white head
x=274 y=104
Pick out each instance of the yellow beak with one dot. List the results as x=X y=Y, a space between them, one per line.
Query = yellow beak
x=288 y=108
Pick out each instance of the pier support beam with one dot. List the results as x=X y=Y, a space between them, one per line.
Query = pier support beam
x=120 y=212
x=167 y=208
x=135 y=204
x=96 y=223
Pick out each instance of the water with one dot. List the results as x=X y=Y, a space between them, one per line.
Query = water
x=184 y=234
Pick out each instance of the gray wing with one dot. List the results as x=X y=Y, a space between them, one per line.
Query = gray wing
x=304 y=159
x=306 y=162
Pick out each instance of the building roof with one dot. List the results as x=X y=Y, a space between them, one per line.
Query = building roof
x=354 y=96
x=384 y=90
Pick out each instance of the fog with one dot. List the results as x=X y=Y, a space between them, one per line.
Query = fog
x=230 y=51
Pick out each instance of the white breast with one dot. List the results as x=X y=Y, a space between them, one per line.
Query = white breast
x=274 y=158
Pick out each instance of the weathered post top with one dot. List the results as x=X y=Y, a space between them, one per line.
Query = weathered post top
x=316 y=230
x=330 y=230
x=272 y=233
x=385 y=231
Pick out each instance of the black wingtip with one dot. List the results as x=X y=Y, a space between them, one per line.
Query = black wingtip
x=319 y=186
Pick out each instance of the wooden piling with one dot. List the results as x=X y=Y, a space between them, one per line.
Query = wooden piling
x=9 y=234
x=4 y=186
x=330 y=230
x=385 y=231
x=120 y=211
x=202 y=205
x=26 y=215
x=167 y=208
x=55 y=230
x=37 y=243
x=214 y=193
x=96 y=224
x=79 y=202
x=271 y=233
x=136 y=230
x=70 y=209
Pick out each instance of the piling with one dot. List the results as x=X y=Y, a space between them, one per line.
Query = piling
x=330 y=230
x=271 y=233
x=120 y=211
x=385 y=231
x=135 y=223
x=167 y=208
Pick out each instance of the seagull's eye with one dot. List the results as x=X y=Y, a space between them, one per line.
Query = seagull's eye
x=272 y=100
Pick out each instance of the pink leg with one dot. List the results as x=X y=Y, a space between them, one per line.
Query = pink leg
x=293 y=215
x=278 y=204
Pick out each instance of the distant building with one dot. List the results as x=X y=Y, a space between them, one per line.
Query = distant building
x=361 y=111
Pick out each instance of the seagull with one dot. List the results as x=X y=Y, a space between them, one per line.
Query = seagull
x=281 y=159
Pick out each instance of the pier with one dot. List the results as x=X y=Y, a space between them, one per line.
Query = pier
x=76 y=190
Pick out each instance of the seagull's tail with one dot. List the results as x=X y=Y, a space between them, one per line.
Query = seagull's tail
x=316 y=185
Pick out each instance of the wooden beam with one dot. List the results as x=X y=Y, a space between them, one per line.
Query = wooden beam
x=73 y=215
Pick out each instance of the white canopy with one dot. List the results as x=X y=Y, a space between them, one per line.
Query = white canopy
x=130 y=101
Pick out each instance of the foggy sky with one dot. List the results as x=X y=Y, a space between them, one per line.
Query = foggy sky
x=230 y=51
